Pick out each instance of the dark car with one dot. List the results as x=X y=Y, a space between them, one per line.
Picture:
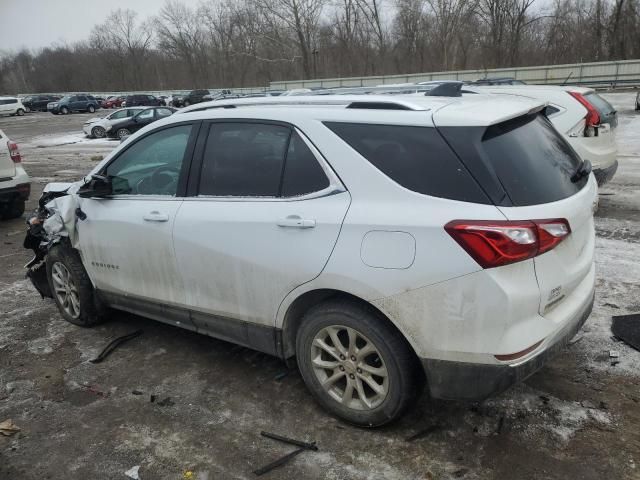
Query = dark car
x=73 y=103
x=140 y=100
x=38 y=103
x=194 y=96
x=497 y=81
x=127 y=126
x=113 y=102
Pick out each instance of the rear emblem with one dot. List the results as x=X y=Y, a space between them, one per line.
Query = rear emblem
x=554 y=293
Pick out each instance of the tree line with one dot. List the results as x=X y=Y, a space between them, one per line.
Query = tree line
x=241 y=43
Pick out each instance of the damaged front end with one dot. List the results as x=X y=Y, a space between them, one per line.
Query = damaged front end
x=47 y=226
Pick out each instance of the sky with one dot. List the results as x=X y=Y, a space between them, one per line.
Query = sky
x=39 y=23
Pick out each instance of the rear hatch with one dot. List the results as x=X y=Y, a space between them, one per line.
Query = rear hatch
x=7 y=167
x=529 y=171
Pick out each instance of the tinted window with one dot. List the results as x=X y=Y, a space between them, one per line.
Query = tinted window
x=145 y=114
x=243 y=159
x=82 y=98
x=151 y=166
x=163 y=112
x=532 y=161
x=150 y=97
x=302 y=173
x=550 y=110
x=415 y=157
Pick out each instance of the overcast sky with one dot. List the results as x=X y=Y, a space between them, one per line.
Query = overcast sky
x=39 y=23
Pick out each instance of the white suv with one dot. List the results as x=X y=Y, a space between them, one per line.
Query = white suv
x=11 y=106
x=381 y=241
x=15 y=185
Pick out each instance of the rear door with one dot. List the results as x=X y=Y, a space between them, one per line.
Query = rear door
x=7 y=167
x=265 y=217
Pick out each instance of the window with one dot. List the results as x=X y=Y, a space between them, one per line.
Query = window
x=243 y=159
x=150 y=97
x=302 y=173
x=550 y=110
x=145 y=114
x=417 y=158
x=163 y=112
x=82 y=98
x=152 y=165
x=120 y=114
x=73 y=99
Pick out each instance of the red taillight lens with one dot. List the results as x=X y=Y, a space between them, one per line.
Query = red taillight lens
x=496 y=243
x=593 y=117
x=13 y=151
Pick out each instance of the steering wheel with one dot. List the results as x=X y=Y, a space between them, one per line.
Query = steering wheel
x=160 y=180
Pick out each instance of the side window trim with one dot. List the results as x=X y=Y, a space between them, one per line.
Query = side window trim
x=186 y=163
x=193 y=182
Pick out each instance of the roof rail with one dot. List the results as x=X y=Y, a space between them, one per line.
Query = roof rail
x=379 y=102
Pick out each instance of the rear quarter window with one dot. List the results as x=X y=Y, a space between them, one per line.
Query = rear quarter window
x=417 y=158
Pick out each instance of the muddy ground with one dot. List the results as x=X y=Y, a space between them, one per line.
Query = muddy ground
x=578 y=418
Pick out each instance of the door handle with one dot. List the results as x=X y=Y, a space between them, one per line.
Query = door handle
x=156 y=216
x=296 y=221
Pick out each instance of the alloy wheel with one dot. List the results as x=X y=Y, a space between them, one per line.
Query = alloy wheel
x=65 y=290
x=349 y=367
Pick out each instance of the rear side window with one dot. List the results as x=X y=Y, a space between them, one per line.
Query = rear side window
x=604 y=108
x=302 y=172
x=417 y=158
x=532 y=161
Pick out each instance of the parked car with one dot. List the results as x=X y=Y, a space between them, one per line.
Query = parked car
x=131 y=124
x=113 y=102
x=73 y=103
x=194 y=96
x=379 y=240
x=38 y=103
x=142 y=101
x=11 y=106
x=587 y=121
x=497 y=81
x=15 y=185
x=97 y=127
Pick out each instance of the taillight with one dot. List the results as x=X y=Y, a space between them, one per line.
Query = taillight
x=13 y=151
x=592 y=120
x=495 y=243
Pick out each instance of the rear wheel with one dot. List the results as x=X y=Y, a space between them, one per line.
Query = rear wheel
x=71 y=288
x=98 y=132
x=356 y=365
x=122 y=132
x=14 y=210
x=20 y=112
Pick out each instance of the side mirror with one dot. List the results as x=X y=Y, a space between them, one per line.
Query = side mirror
x=98 y=186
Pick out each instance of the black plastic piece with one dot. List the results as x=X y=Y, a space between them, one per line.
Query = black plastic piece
x=627 y=329
x=449 y=89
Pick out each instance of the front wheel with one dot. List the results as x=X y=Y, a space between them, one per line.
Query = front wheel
x=20 y=112
x=71 y=287
x=187 y=103
x=122 y=132
x=91 y=109
x=64 y=110
x=356 y=365
x=98 y=132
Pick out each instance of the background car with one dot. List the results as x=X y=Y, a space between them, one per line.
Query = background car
x=140 y=100
x=38 y=103
x=73 y=103
x=11 y=106
x=194 y=96
x=97 y=127
x=15 y=185
x=113 y=102
x=127 y=126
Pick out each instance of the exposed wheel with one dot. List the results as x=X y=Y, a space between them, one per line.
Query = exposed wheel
x=20 y=112
x=64 y=110
x=98 y=132
x=355 y=364
x=187 y=103
x=91 y=109
x=122 y=132
x=27 y=109
x=71 y=287
x=14 y=210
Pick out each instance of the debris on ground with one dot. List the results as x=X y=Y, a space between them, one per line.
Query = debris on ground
x=8 y=428
x=114 y=344
x=95 y=391
x=167 y=402
x=424 y=432
x=133 y=472
x=284 y=460
x=627 y=329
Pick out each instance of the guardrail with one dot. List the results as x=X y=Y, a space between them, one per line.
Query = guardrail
x=596 y=74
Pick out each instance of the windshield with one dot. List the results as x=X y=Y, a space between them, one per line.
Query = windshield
x=66 y=98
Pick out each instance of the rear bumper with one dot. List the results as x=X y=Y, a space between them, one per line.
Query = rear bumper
x=18 y=192
x=603 y=175
x=475 y=382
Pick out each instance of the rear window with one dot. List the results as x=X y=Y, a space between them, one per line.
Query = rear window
x=417 y=158
x=605 y=109
x=532 y=161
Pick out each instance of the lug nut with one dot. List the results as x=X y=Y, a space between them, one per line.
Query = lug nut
x=353 y=358
x=352 y=376
x=341 y=368
x=359 y=370
x=341 y=357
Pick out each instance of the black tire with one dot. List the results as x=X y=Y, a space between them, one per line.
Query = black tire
x=187 y=103
x=91 y=109
x=14 y=210
x=98 y=132
x=20 y=112
x=64 y=111
x=91 y=310
x=405 y=380
x=122 y=132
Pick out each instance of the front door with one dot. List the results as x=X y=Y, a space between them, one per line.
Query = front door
x=266 y=217
x=126 y=239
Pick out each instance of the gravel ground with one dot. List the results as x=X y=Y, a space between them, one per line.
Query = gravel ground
x=579 y=417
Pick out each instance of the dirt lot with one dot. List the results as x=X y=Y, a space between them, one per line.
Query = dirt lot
x=578 y=418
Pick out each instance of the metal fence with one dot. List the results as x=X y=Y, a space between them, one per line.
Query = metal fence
x=597 y=74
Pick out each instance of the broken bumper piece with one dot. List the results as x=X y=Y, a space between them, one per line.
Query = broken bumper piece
x=475 y=382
